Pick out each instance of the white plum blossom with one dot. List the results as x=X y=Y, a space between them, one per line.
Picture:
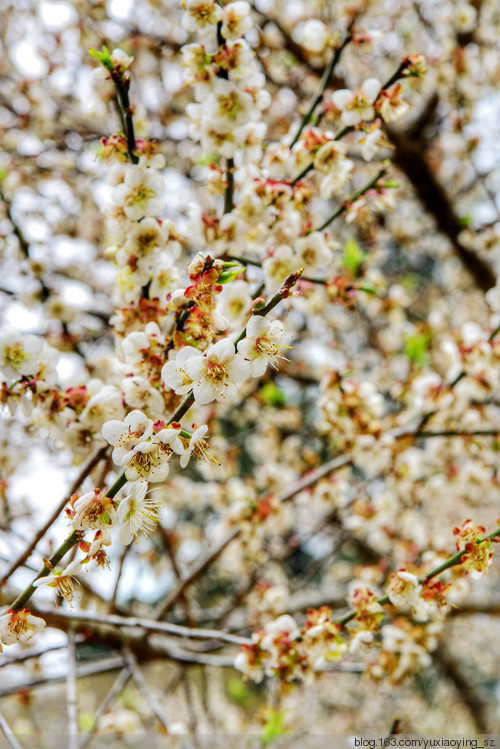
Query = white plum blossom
x=174 y=373
x=312 y=252
x=140 y=394
x=93 y=511
x=235 y=301
x=150 y=459
x=137 y=513
x=120 y=59
x=404 y=589
x=61 y=580
x=315 y=36
x=138 y=194
x=228 y=106
x=19 y=626
x=357 y=106
x=125 y=435
x=106 y=403
x=390 y=105
x=19 y=354
x=370 y=144
x=236 y=19
x=262 y=344
x=197 y=70
x=215 y=375
x=200 y=13
x=197 y=444
x=146 y=461
x=166 y=278
x=464 y=17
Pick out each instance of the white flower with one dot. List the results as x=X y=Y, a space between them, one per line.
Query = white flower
x=121 y=59
x=169 y=439
x=166 y=278
x=200 y=13
x=19 y=626
x=139 y=393
x=62 y=580
x=284 y=624
x=240 y=62
x=404 y=589
x=138 y=193
x=137 y=513
x=197 y=444
x=315 y=36
x=391 y=106
x=104 y=405
x=19 y=354
x=278 y=266
x=235 y=301
x=125 y=435
x=216 y=374
x=197 y=67
x=174 y=373
x=262 y=344
x=146 y=461
x=464 y=17
x=312 y=251
x=227 y=107
x=493 y=298
x=134 y=345
x=357 y=106
x=370 y=144
x=93 y=511
x=236 y=19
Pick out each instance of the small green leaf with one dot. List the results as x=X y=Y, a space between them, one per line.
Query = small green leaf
x=208 y=158
x=367 y=288
x=86 y=720
x=416 y=348
x=272 y=395
x=275 y=726
x=103 y=57
x=229 y=275
x=239 y=692
x=465 y=221
x=353 y=256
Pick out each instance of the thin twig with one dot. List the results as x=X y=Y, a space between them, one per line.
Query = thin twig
x=348 y=201
x=11 y=739
x=323 y=84
x=104 y=706
x=298 y=486
x=149 y=625
x=143 y=687
x=112 y=602
x=87 y=468
x=71 y=693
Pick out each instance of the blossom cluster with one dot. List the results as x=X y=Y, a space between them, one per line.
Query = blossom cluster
x=194 y=336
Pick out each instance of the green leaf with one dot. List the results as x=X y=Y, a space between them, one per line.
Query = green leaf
x=275 y=726
x=465 y=221
x=353 y=256
x=229 y=275
x=103 y=57
x=272 y=395
x=416 y=348
x=86 y=720
x=367 y=288
x=207 y=158
x=239 y=692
